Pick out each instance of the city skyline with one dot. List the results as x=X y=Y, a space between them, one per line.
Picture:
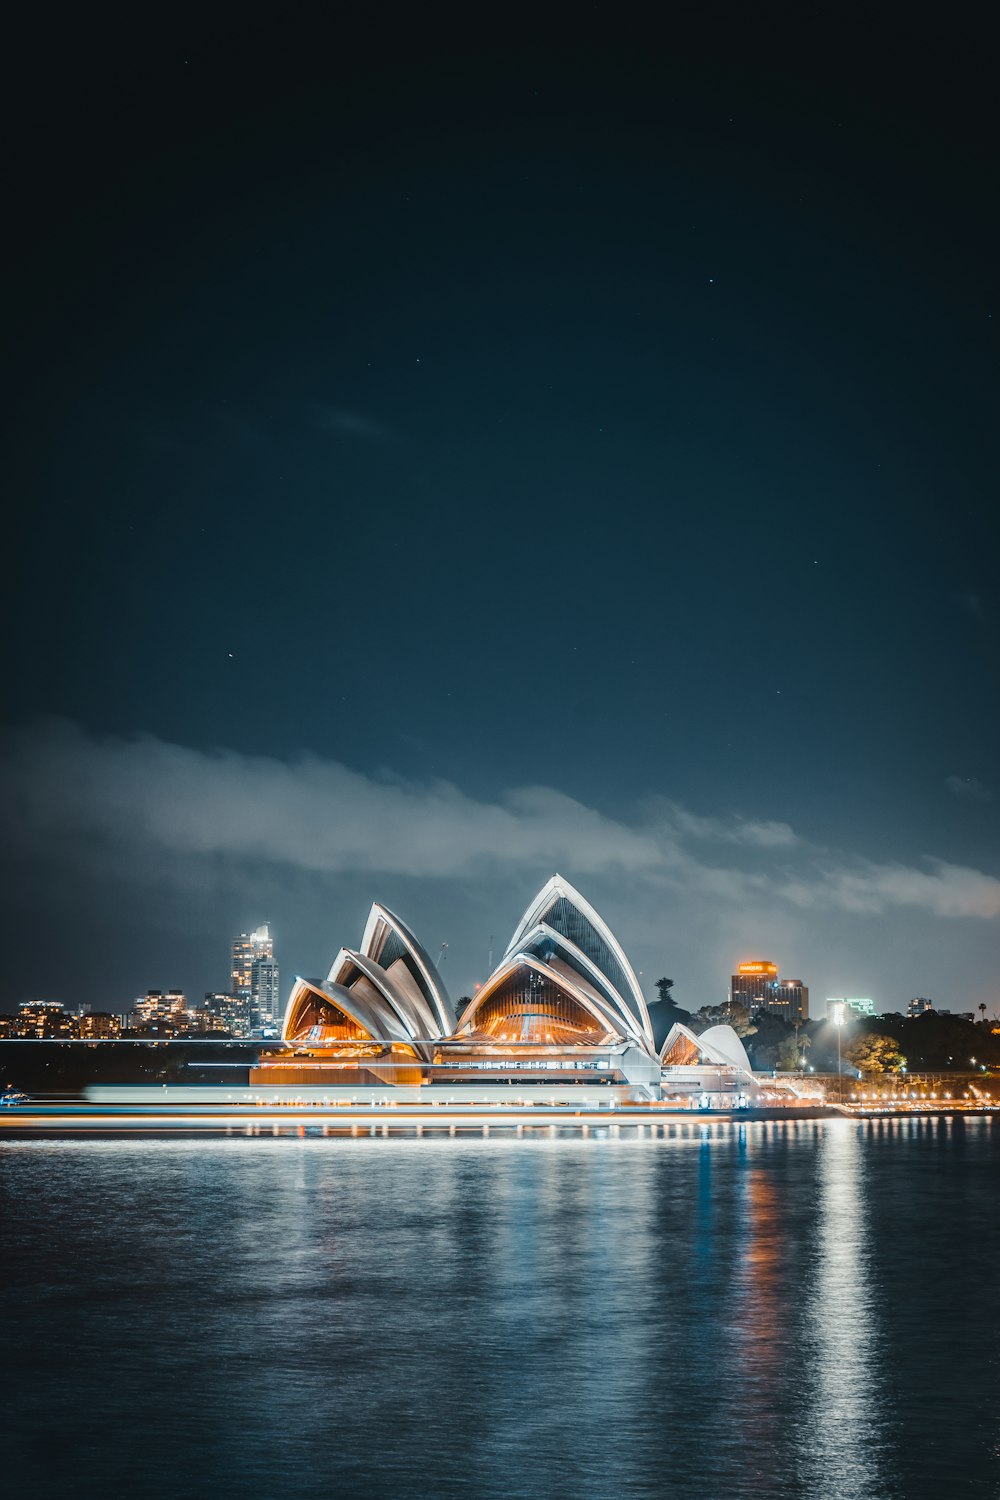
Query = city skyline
x=758 y=984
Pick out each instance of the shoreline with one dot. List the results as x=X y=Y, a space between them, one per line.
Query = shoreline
x=448 y=1119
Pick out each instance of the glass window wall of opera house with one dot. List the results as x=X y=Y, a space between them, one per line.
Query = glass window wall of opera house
x=562 y=1018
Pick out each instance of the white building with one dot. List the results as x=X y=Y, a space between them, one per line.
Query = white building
x=843 y=1009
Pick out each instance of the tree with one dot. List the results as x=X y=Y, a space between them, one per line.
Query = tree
x=732 y=1014
x=671 y=1011
x=788 y=1056
x=664 y=1012
x=875 y=1054
x=791 y=1053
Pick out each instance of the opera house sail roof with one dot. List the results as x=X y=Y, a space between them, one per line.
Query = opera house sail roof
x=719 y=1045
x=564 y=981
x=563 y=977
x=388 y=991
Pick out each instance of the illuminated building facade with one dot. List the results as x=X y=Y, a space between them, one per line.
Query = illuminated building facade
x=252 y=950
x=752 y=983
x=562 y=1009
x=48 y=1019
x=710 y=1070
x=229 y=1012
x=265 y=993
x=757 y=986
x=561 y=1018
x=846 y=1008
x=919 y=1006
x=789 y=999
x=155 y=1007
x=99 y=1025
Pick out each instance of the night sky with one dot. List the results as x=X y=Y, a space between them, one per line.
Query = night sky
x=435 y=459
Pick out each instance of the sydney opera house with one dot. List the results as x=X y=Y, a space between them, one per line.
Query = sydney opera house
x=562 y=1018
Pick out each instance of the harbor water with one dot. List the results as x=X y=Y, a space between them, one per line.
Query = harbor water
x=774 y=1309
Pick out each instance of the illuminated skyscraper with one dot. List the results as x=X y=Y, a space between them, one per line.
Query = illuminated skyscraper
x=753 y=983
x=255 y=950
x=265 y=996
x=757 y=986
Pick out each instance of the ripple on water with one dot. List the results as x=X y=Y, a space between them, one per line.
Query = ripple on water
x=760 y=1310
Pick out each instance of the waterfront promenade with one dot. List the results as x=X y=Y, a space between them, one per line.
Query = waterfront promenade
x=291 y=1118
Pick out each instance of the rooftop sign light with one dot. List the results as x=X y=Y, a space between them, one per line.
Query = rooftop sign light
x=760 y=966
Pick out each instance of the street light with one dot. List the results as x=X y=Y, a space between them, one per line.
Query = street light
x=837 y=1017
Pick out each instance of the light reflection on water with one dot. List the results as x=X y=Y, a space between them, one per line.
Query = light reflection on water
x=759 y=1310
x=847 y=1376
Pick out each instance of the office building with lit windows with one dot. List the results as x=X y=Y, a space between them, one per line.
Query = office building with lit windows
x=752 y=983
x=757 y=986
x=254 y=980
x=265 y=993
x=789 y=999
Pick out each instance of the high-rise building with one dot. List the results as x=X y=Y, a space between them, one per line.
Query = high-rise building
x=243 y=957
x=757 y=986
x=265 y=995
x=753 y=983
x=250 y=949
x=789 y=998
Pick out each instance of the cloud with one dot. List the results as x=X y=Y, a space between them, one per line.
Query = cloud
x=734 y=830
x=968 y=789
x=941 y=889
x=149 y=811
x=143 y=794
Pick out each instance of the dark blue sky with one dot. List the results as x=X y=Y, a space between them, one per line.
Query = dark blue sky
x=513 y=411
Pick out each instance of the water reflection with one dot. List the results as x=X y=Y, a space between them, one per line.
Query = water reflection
x=841 y=1446
x=712 y=1311
x=762 y=1316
